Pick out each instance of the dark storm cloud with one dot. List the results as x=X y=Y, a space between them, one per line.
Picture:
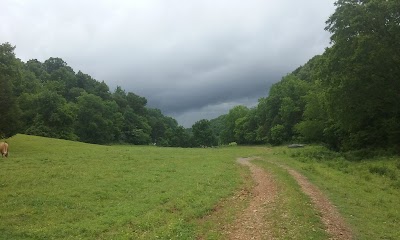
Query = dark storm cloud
x=192 y=59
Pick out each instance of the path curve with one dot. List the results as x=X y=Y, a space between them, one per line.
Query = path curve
x=252 y=224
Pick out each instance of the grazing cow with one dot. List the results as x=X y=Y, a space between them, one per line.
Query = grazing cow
x=4 y=149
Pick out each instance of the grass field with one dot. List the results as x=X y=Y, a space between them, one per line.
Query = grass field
x=60 y=189
x=56 y=189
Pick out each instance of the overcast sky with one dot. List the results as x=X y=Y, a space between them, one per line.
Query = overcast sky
x=192 y=59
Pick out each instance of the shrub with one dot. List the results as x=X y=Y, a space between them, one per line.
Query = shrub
x=232 y=144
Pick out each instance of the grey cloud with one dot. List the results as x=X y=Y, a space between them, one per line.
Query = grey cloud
x=189 y=58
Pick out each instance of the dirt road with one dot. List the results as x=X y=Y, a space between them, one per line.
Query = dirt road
x=253 y=222
x=334 y=223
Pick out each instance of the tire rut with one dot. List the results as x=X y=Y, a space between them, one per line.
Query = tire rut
x=252 y=222
x=331 y=218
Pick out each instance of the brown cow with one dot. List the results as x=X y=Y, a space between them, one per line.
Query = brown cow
x=4 y=149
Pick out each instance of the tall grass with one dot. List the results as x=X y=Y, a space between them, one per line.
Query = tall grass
x=60 y=189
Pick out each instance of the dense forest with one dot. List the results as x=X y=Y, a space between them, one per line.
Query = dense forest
x=347 y=98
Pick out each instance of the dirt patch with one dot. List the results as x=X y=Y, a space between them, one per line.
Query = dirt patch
x=252 y=223
x=334 y=223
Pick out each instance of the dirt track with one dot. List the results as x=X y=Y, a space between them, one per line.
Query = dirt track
x=253 y=221
x=335 y=225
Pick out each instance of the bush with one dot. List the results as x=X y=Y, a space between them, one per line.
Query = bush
x=319 y=154
x=383 y=171
x=367 y=154
x=232 y=144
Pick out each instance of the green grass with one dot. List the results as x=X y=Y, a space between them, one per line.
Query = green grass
x=224 y=214
x=56 y=189
x=60 y=189
x=366 y=192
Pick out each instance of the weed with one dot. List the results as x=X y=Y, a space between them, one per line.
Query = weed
x=295 y=154
x=310 y=168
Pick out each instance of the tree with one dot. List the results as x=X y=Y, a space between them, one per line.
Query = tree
x=135 y=128
x=9 y=72
x=361 y=76
x=63 y=79
x=246 y=128
x=119 y=96
x=54 y=64
x=48 y=114
x=95 y=119
x=240 y=130
x=230 y=122
x=49 y=99
x=278 y=134
x=203 y=134
x=179 y=137
x=30 y=82
x=86 y=82
x=137 y=103
x=251 y=126
x=164 y=129
x=158 y=127
x=284 y=107
x=102 y=90
x=314 y=120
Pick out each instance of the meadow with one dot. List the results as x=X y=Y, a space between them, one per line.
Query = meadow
x=57 y=189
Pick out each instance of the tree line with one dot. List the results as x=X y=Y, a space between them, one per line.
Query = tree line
x=347 y=98
x=49 y=99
